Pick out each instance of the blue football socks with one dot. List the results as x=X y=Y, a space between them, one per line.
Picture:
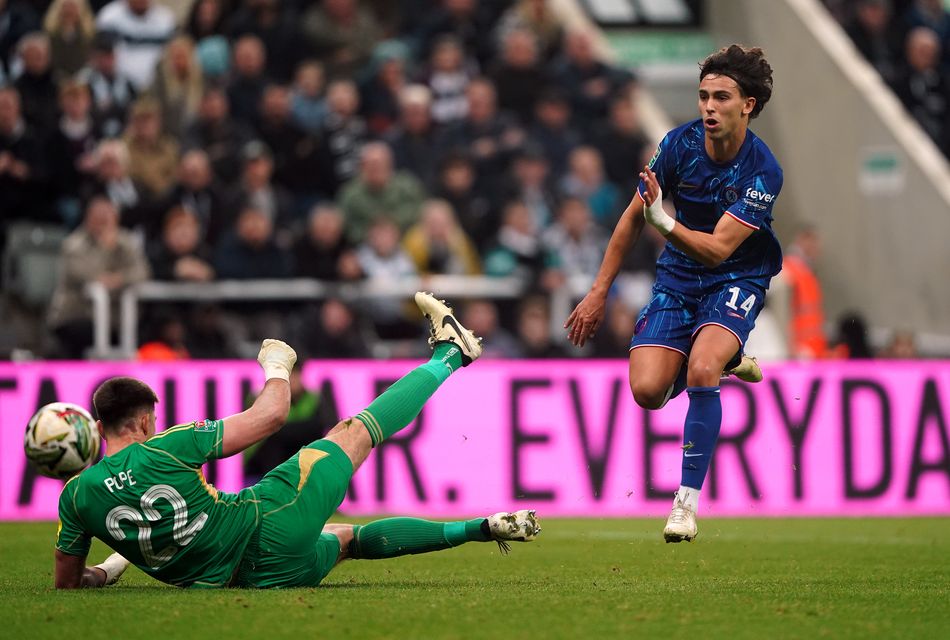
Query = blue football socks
x=703 y=420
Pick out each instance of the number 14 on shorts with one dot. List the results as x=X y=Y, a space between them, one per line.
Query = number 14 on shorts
x=746 y=305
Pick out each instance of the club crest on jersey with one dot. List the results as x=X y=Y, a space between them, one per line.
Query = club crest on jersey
x=730 y=195
x=205 y=425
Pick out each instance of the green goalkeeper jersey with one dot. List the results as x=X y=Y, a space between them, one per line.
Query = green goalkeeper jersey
x=151 y=503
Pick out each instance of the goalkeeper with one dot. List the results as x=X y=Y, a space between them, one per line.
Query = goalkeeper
x=148 y=500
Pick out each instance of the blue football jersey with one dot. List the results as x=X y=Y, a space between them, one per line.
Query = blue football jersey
x=703 y=191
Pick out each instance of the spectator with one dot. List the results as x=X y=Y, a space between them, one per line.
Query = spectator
x=437 y=245
x=874 y=35
x=518 y=75
x=551 y=130
x=475 y=211
x=16 y=20
x=71 y=27
x=463 y=20
x=277 y=28
x=903 y=346
x=934 y=15
x=530 y=184
x=481 y=317
x=588 y=81
x=71 y=150
x=23 y=172
x=448 y=75
x=112 y=91
x=180 y=253
x=341 y=34
x=208 y=336
x=330 y=330
x=378 y=190
x=311 y=415
x=540 y=19
x=256 y=189
x=852 y=339
x=207 y=19
x=142 y=27
x=491 y=138
x=153 y=156
x=323 y=252
x=414 y=138
x=167 y=343
x=806 y=334
x=179 y=85
x=534 y=330
x=308 y=108
x=300 y=159
x=579 y=243
x=380 y=95
x=248 y=79
x=383 y=261
x=196 y=191
x=923 y=87
x=249 y=251
x=621 y=143
x=38 y=91
x=519 y=253
x=586 y=180
x=613 y=339
x=112 y=180
x=99 y=251
x=219 y=135
x=344 y=131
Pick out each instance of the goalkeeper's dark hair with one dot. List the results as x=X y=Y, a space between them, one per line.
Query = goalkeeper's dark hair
x=118 y=400
x=748 y=67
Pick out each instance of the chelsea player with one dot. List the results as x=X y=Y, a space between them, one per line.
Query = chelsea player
x=712 y=276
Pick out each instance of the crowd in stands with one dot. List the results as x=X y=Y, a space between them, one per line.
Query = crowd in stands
x=343 y=140
x=908 y=42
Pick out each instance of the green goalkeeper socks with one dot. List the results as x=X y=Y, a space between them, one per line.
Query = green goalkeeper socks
x=402 y=536
x=401 y=403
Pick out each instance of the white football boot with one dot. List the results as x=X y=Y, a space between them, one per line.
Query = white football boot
x=747 y=370
x=681 y=525
x=443 y=327
x=517 y=526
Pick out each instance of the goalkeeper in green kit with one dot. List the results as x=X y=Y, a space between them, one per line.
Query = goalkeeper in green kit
x=148 y=500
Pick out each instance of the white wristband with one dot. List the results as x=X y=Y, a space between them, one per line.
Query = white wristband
x=276 y=370
x=113 y=566
x=657 y=217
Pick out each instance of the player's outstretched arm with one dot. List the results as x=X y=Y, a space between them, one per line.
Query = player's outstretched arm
x=589 y=312
x=709 y=249
x=269 y=411
x=72 y=572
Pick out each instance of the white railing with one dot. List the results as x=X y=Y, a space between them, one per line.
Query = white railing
x=454 y=287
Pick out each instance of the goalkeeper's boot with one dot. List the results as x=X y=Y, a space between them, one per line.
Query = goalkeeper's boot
x=681 y=525
x=747 y=370
x=517 y=526
x=444 y=327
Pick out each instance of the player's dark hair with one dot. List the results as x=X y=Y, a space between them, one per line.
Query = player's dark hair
x=748 y=67
x=117 y=400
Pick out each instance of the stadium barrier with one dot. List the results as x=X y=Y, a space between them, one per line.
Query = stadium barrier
x=831 y=439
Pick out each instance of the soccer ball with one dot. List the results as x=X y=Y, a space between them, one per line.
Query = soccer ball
x=61 y=440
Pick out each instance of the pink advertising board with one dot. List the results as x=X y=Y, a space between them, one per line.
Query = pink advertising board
x=835 y=438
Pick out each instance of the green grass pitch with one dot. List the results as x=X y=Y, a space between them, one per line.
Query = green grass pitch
x=796 y=578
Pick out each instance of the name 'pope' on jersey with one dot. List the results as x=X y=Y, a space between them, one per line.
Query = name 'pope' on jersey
x=702 y=191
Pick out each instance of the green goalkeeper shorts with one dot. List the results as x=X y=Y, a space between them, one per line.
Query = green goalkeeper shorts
x=297 y=498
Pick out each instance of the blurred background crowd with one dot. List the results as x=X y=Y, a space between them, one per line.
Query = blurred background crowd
x=346 y=141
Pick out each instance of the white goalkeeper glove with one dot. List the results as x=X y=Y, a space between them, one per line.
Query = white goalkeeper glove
x=657 y=217
x=277 y=359
x=113 y=566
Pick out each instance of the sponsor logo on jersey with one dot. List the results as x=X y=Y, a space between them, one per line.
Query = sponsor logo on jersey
x=641 y=325
x=655 y=156
x=206 y=425
x=759 y=196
